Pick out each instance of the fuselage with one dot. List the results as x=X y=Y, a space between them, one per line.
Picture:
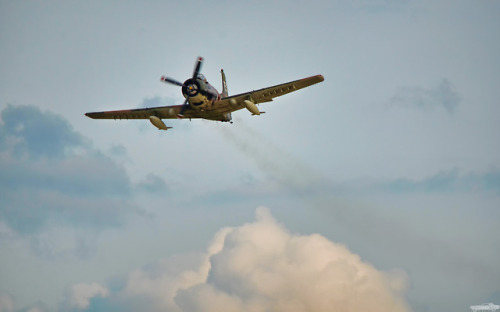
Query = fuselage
x=199 y=92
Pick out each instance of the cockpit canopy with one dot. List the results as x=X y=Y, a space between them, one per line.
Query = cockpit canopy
x=201 y=77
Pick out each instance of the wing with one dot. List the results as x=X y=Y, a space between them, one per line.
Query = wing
x=267 y=94
x=163 y=112
x=225 y=105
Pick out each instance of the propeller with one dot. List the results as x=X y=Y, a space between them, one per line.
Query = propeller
x=183 y=108
x=187 y=85
x=171 y=81
x=197 y=68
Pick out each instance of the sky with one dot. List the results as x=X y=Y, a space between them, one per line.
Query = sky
x=378 y=188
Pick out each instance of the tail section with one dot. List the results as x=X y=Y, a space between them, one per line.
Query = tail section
x=224 y=85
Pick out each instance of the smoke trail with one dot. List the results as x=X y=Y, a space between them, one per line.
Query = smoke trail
x=275 y=162
x=315 y=190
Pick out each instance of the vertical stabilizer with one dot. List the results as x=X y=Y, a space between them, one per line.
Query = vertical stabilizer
x=224 y=84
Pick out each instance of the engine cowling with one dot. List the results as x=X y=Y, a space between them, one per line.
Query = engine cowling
x=196 y=92
x=191 y=88
x=199 y=92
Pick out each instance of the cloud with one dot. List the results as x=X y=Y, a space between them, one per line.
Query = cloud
x=449 y=181
x=33 y=133
x=260 y=266
x=6 y=303
x=79 y=296
x=441 y=95
x=50 y=174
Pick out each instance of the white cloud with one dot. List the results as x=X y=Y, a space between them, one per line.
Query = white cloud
x=79 y=295
x=260 y=266
x=169 y=276
x=6 y=303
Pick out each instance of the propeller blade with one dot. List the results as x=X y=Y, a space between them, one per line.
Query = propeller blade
x=171 y=81
x=183 y=109
x=197 y=67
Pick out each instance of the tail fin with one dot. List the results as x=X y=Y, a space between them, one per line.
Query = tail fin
x=224 y=84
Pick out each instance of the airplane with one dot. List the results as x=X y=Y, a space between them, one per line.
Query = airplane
x=205 y=102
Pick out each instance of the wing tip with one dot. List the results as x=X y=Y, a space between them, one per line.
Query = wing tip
x=94 y=115
x=314 y=79
x=91 y=115
x=318 y=78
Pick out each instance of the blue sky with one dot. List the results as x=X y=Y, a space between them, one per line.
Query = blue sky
x=392 y=163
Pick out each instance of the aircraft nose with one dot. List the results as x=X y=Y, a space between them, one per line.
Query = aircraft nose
x=190 y=88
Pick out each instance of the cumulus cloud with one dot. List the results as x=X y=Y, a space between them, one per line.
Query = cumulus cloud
x=6 y=303
x=79 y=295
x=33 y=133
x=441 y=95
x=49 y=173
x=449 y=181
x=260 y=266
